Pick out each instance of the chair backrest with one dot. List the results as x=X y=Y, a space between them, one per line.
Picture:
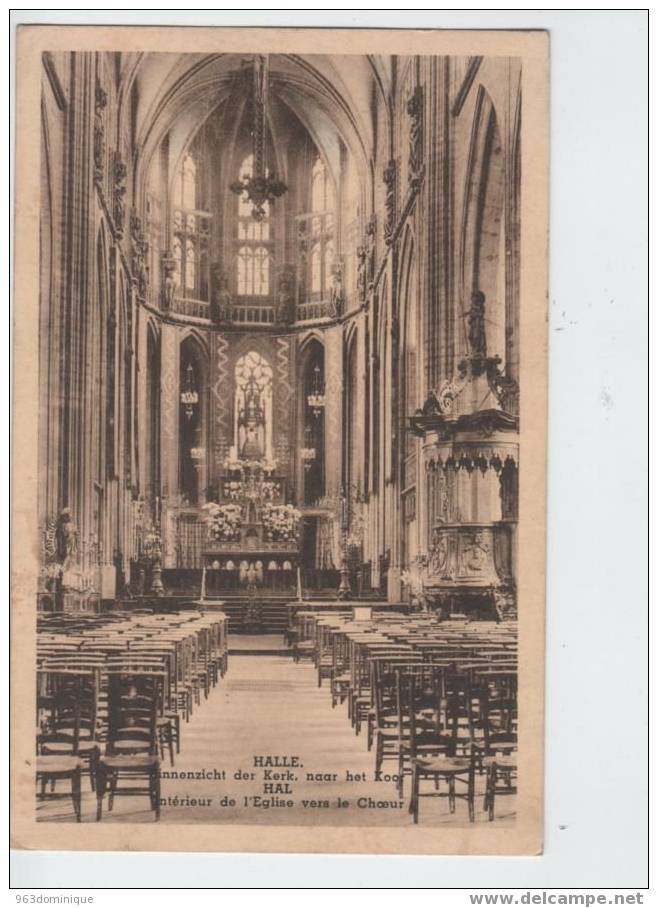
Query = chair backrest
x=71 y=706
x=133 y=698
x=420 y=708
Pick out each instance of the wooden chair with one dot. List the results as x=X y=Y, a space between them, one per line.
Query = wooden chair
x=499 y=759
x=131 y=752
x=63 y=766
x=70 y=725
x=430 y=755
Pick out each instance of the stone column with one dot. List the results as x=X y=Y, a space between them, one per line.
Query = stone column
x=169 y=411
x=333 y=364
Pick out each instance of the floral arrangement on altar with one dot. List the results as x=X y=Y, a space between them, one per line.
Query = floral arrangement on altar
x=281 y=522
x=223 y=521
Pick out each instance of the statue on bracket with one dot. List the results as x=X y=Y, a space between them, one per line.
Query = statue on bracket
x=477 y=335
x=66 y=538
x=361 y=276
x=285 y=297
x=390 y=178
x=336 y=298
x=119 y=207
x=168 y=281
x=220 y=298
x=415 y=112
x=140 y=255
x=100 y=103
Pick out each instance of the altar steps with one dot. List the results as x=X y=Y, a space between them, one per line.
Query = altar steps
x=273 y=616
x=258 y=645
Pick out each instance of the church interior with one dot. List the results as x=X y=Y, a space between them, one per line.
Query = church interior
x=278 y=438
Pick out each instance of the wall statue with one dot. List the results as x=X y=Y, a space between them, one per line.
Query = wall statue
x=119 y=207
x=390 y=177
x=220 y=297
x=361 y=276
x=415 y=112
x=100 y=103
x=285 y=297
x=66 y=538
x=477 y=337
x=169 y=283
x=140 y=255
x=371 y=244
x=336 y=297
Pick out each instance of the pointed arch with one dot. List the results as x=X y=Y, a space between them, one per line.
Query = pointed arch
x=483 y=236
x=193 y=418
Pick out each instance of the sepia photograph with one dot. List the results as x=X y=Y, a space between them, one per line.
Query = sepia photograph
x=282 y=563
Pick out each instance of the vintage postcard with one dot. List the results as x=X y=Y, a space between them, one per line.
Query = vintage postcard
x=279 y=440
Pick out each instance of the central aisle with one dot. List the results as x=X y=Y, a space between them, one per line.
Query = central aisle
x=270 y=706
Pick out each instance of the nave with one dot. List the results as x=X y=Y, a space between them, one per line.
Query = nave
x=278 y=395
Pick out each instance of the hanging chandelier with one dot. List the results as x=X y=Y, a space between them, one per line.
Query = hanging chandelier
x=315 y=398
x=262 y=186
x=189 y=396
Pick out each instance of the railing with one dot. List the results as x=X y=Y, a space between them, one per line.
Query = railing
x=311 y=311
x=252 y=315
x=194 y=308
x=249 y=314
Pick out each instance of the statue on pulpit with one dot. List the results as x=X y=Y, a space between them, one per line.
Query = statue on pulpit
x=477 y=337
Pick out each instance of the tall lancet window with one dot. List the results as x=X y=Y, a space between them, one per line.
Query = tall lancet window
x=254 y=243
x=191 y=232
x=322 y=230
x=253 y=408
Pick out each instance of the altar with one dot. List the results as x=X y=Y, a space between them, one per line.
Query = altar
x=253 y=534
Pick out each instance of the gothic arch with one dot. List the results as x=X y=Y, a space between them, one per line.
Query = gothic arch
x=483 y=237
x=193 y=419
x=152 y=433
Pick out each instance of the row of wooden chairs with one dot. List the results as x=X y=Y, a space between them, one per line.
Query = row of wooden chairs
x=111 y=694
x=437 y=698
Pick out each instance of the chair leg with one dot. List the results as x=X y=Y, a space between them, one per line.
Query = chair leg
x=114 y=778
x=101 y=781
x=400 y=781
x=154 y=792
x=93 y=763
x=451 y=793
x=492 y=792
x=471 y=794
x=379 y=753
x=415 y=791
x=76 y=795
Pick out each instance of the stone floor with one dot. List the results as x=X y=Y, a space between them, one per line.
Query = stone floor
x=268 y=706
